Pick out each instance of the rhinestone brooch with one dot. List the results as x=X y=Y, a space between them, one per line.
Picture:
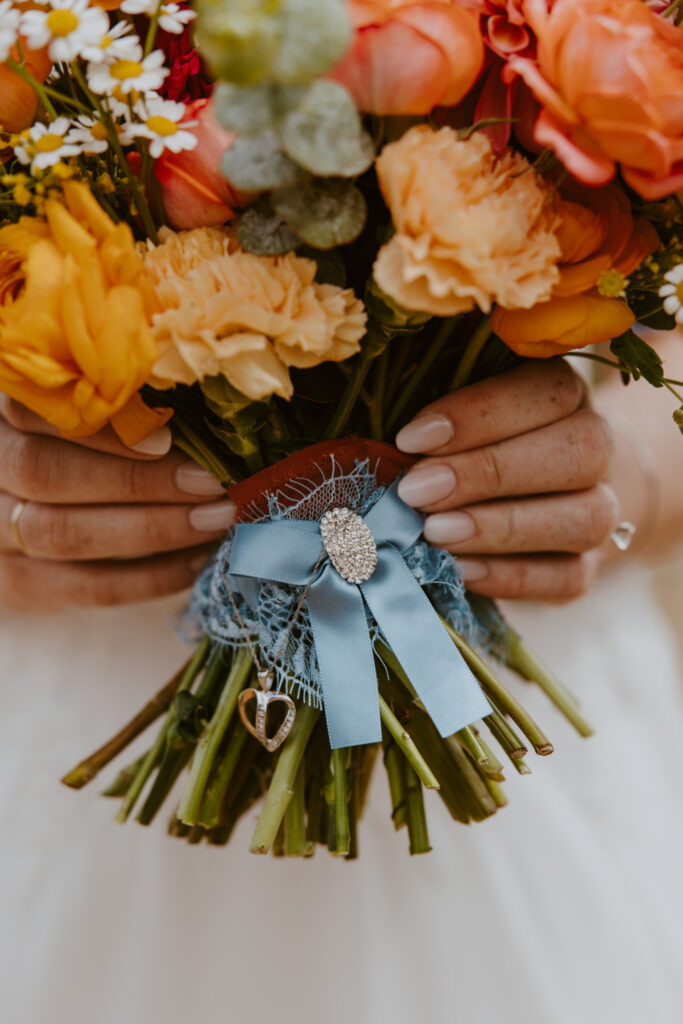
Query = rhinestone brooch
x=349 y=543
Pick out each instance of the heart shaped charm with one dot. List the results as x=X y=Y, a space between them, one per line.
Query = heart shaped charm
x=258 y=727
x=350 y=544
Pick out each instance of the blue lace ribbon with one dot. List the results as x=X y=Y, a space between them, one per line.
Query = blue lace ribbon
x=286 y=551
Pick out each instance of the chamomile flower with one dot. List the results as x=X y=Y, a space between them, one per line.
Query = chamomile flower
x=160 y=122
x=66 y=28
x=44 y=145
x=134 y=73
x=89 y=135
x=9 y=28
x=118 y=43
x=172 y=18
x=672 y=293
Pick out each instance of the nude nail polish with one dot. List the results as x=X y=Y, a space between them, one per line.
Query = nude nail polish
x=214 y=517
x=425 y=433
x=449 y=528
x=158 y=443
x=193 y=479
x=426 y=484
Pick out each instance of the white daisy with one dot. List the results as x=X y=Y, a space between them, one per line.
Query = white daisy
x=89 y=135
x=160 y=122
x=67 y=28
x=672 y=293
x=44 y=145
x=9 y=28
x=172 y=18
x=118 y=43
x=132 y=74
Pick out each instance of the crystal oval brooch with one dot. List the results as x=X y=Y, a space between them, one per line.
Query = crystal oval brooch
x=349 y=543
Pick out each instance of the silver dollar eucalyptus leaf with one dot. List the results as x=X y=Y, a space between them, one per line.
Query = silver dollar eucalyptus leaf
x=350 y=544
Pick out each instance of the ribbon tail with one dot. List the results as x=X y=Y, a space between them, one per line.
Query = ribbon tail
x=441 y=678
x=346 y=661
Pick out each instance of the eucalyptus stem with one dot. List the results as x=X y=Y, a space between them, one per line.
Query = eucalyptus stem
x=282 y=784
x=210 y=740
x=375 y=340
x=523 y=661
x=472 y=352
x=415 y=813
x=424 y=367
x=340 y=759
x=407 y=746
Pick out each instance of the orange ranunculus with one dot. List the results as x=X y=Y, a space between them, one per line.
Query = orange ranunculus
x=75 y=338
x=18 y=100
x=407 y=58
x=609 y=76
x=601 y=244
x=194 y=192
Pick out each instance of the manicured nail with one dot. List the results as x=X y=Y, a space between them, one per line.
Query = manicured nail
x=214 y=517
x=158 y=443
x=425 y=433
x=449 y=528
x=426 y=484
x=192 y=479
x=472 y=569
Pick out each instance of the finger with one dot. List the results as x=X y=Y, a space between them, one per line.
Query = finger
x=531 y=396
x=571 y=455
x=82 y=532
x=575 y=523
x=155 y=446
x=531 y=578
x=39 y=468
x=36 y=585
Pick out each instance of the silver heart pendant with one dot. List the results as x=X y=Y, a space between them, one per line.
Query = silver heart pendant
x=349 y=543
x=258 y=727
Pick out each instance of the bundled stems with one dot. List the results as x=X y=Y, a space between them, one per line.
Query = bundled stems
x=340 y=759
x=526 y=664
x=425 y=366
x=373 y=344
x=471 y=354
x=410 y=751
x=415 y=812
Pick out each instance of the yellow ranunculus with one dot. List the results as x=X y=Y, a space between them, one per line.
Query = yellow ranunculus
x=75 y=338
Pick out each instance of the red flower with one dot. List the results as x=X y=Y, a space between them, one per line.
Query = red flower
x=188 y=79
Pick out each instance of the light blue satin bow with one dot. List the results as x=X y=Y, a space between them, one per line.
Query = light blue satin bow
x=287 y=550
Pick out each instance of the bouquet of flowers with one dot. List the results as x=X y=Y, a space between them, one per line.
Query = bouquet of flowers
x=284 y=226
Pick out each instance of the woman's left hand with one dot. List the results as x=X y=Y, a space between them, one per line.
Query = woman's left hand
x=515 y=482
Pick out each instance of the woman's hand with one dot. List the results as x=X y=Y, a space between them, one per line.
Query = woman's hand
x=514 y=482
x=102 y=524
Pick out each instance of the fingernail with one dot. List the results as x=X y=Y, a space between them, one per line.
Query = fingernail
x=214 y=517
x=472 y=569
x=193 y=479
x=449 y=528
x=425 y=434
x=158 y=443
x=425 y=485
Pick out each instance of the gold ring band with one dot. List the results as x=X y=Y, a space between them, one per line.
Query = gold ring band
x=14 y=520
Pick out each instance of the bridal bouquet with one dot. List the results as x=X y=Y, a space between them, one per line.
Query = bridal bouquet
x=284 y=226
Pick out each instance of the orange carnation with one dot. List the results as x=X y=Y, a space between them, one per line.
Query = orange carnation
x=601 y=244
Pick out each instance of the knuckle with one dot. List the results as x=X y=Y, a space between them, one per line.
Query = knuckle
x=510 y=529
x=135 y=479
x=519 y=582
x=56 y=531
x=603 y=512
x=568 y=388
x=29 y=469
x=14 y=413
x=491 y=471
x=596 y=444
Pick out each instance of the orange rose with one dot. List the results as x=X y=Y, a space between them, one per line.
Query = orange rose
x=18 y=100
x=407 y=58
x=600 y=244
x=609 y=77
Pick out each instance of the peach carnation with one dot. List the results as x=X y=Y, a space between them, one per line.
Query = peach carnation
x=222 y=311
x=470 y=228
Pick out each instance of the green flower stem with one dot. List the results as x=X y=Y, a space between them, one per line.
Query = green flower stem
x=472 y=352
x=393 y=763
x=177 y=829
x=217 y=788
x=494 y=769
x=94 y=763
x=410 y=751
x=511 y=743
x=524 y=662
x=296 y=843
x=119 y=787
x=501 y=695
x=400 y=352
x=470 y=742
x=363 y=762
x=172 y=764
x=424 y=367
x=415 y=812
x=521 y=767
x=190 y=442
x=379 y=395
x=496 y=792
x=282 y=785
x=207 y=748
x=373 y=344
x=37 y=86
x=340 y=758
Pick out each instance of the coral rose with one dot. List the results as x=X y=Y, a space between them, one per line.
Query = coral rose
x=470 y=229
x=610 y=79
x=222 y=311
x=601 y=244
x=18 y=99
x=75 y=342
x=193 y=191
x=407 y=58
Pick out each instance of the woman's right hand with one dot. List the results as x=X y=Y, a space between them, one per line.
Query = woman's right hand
x=102 y=524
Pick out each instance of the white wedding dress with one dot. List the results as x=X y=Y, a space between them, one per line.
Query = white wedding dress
x=563 y=909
